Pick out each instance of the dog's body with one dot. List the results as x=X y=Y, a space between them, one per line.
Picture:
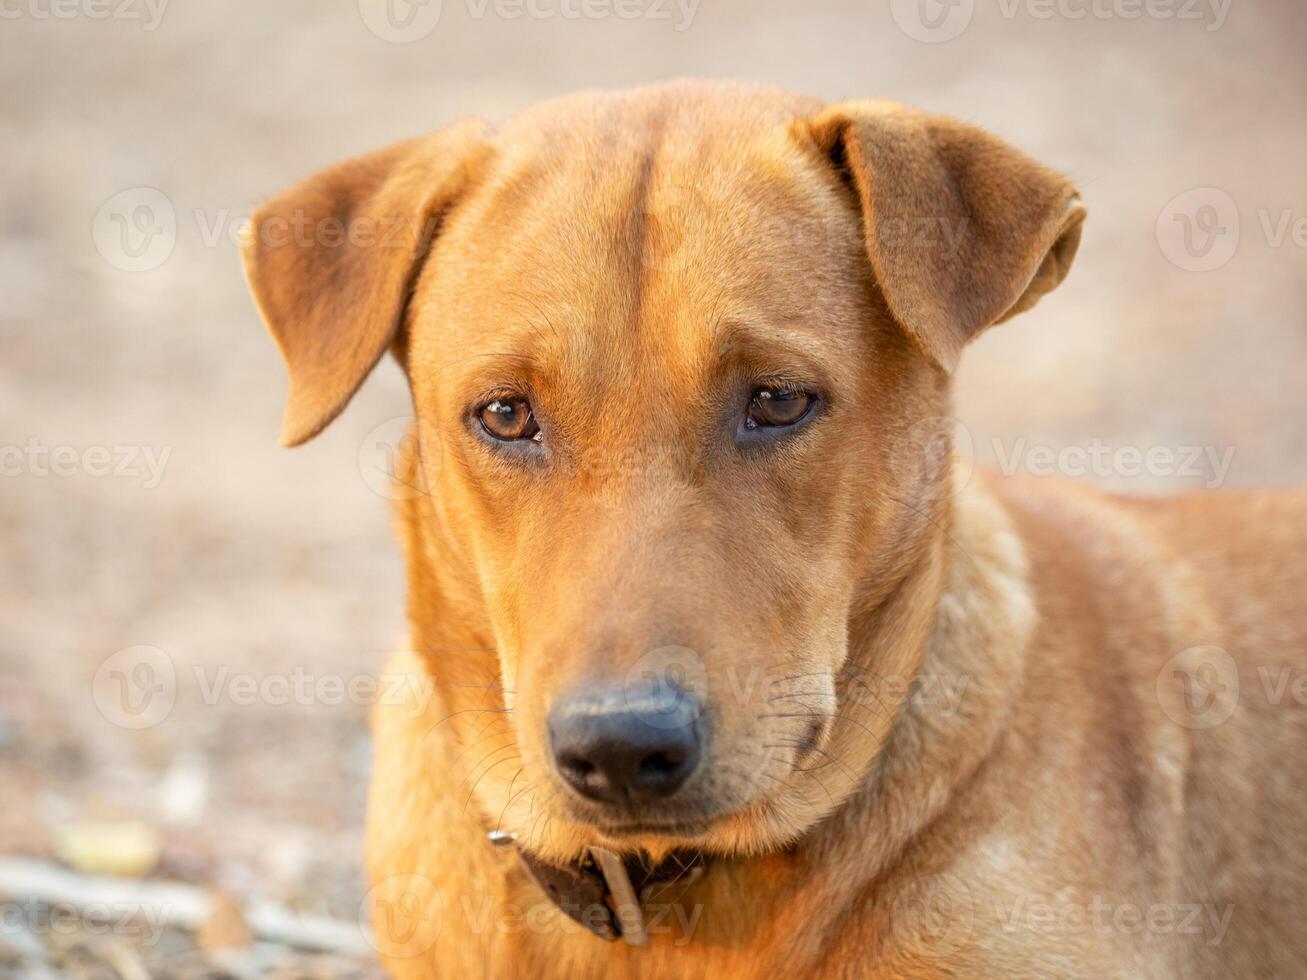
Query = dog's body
x=1069 y=827
x=1030 y=730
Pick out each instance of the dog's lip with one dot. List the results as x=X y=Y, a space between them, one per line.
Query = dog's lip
x=659 y=828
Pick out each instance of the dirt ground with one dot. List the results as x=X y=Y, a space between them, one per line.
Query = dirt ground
x=152 y=531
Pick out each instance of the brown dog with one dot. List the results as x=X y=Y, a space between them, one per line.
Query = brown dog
x=699 y=610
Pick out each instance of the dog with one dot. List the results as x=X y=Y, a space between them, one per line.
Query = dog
x=722 y=666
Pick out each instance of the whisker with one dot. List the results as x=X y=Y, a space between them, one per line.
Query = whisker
x=798 y=745
x=480 y=736
x=463 y=711
x=473 y=792
x=512 y=796
x=818 y=714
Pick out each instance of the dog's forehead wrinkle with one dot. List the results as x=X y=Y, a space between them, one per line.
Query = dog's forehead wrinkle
x=629 y=237
x=624 y=160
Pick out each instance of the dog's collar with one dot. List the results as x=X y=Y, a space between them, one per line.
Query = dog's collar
x=605 y=892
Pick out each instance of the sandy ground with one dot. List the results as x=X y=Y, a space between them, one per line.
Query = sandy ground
x=241 y=562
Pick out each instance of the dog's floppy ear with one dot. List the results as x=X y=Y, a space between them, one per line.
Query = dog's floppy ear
x=332 y=261
x=962 y=230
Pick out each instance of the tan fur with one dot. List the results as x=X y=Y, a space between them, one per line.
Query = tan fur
x=632 y=261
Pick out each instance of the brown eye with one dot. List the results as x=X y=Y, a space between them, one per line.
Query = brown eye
x=509 y=419
x=773 y=407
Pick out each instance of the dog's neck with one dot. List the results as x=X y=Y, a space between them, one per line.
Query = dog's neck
x=950 y=629
x=967 y=615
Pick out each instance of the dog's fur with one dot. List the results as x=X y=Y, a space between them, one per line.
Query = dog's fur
x=955 y=727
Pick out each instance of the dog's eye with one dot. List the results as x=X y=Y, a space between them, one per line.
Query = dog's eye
x=777 y=407
x=509 y=419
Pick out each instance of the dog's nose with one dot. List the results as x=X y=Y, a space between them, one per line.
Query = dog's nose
x=630 y=745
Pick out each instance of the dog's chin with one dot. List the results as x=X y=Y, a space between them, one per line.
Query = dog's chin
x=656 y=837
x=723 y=833
x=752 y=831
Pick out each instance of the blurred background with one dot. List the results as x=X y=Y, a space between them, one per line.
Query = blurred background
x=190 y=616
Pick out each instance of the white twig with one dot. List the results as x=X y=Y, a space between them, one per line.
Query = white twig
x=174 y=904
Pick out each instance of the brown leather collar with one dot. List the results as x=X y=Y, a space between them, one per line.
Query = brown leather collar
x=604 y=892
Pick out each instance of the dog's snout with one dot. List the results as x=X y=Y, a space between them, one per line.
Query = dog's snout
x=627 y=746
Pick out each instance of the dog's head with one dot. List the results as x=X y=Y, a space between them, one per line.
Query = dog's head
x=678 y=358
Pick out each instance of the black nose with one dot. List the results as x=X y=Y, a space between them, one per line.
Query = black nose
x=627 y=745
